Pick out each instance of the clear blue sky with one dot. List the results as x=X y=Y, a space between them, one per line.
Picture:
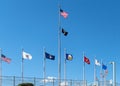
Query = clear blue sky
x=93 y=26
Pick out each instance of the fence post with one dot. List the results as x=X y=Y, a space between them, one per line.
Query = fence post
x=13 y=80
x=34 y=81
x=53 y=81
x=70 y=82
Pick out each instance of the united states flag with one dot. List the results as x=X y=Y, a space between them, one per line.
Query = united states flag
x=4 y=58
x=63 y=13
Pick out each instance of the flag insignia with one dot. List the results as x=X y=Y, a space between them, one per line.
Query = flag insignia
x=69 y=57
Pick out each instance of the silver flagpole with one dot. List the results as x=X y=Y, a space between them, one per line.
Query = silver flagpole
x=101 y=75
x=114 y=73
x=65 y=66
x=0 y=67
x=94 y=73
x=44 y=67
x=83 y=71
x=22 y=67
x=59 y=49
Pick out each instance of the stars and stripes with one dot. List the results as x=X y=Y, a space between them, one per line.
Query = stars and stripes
x=4 y=58
x=63 y=13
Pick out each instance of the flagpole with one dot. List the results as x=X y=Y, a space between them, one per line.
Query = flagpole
x=104 y=78
x=94 y=73
x=44 y=66
x=59 y=48
x=22 y=66
x=101 y=74
x=0 y=67
x=65 y=66
x=114 y=73
x=83 y=71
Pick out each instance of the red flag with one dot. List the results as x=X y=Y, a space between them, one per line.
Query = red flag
x=86 y=60
x=63 y=13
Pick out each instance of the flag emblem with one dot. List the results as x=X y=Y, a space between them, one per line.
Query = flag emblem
x=69 y=57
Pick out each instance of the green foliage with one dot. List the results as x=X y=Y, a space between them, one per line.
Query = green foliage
x=26 y=84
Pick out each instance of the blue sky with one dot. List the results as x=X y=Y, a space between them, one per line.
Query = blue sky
x=93 y=27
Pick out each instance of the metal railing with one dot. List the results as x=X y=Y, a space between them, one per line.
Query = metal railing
x=14 y=81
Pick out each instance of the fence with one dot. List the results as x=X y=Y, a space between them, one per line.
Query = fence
x=14 y=81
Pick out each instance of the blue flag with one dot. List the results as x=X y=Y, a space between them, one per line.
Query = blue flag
x=49 y=56
x=104 y=67
x=69 y=57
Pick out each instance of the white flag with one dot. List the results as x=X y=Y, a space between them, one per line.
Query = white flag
x=27 y=55
x=97 y=62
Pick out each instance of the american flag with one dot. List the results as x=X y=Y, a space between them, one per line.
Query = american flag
x=4 y=58
x=63 y=13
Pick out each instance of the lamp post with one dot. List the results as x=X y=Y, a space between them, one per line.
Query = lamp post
x=114 y=73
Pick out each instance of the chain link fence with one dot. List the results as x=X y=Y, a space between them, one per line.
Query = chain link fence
x=14 y=81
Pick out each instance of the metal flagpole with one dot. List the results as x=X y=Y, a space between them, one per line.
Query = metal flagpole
x=59 y=48
x=104 y=78
x=114 y=73
x=94 y=73
x=22 y=67
x=101 y=75
x=44 y=67
x=0 y=67
x=83 y=71
x=65 y=66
